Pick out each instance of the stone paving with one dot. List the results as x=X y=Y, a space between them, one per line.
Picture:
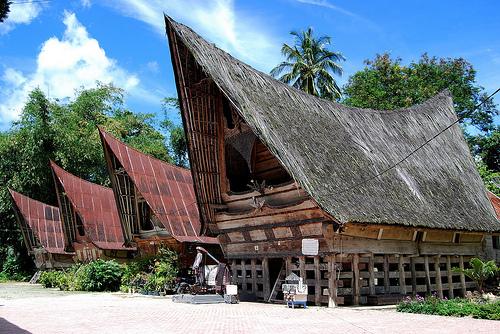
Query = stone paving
x=32 y=309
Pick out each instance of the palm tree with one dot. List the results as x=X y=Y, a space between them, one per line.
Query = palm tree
x=310 y=66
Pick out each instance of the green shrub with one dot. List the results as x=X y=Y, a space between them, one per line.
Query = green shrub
x=457 y=307
x=101 y=275
x=50 y=279
x=479 y=271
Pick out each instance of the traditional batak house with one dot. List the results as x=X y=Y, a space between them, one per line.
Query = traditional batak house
x=156 y=202
x=493 y=243
x=293 y=183
x=90 y=218
x=42 y=232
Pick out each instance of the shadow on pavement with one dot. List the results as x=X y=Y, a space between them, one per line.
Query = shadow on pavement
x=9 y=328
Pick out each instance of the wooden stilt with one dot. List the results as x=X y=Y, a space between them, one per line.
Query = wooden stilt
x=427 y=274
x=437 y=269
x=386 y=275
x=317 y=282
x=413 y=276
x=371 y=270
x=288 y=265
x=244 y=275
x=332 y=282
x=451 y=293
x=462 y=276
x=402 y=277
x=265 y=278
x=302 y=267
x=356 y=287
x=254 y=275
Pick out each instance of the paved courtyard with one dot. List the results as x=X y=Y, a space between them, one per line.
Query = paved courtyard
x=32 y=309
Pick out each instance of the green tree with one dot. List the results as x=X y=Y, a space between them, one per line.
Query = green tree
x=4 y=9
x=66 y=133
x=177 y=143
x=310 y=66
x=386 y=84
x=479 y=271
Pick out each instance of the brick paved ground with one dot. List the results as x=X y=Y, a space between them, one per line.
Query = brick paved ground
x=25 y=309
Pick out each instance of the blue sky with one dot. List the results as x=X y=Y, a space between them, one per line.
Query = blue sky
x=60 y=46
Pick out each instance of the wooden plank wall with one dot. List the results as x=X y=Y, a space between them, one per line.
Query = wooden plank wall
x=348 y=279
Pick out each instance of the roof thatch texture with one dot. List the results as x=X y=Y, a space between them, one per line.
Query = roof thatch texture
x=329 y=148
x=168 y=190
x=96 y=207
x=43 y=220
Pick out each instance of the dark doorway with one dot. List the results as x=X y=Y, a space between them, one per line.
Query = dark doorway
x=275 y=266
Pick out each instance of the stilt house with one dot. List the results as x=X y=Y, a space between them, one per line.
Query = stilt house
x=155 y=200
x=90 y=218
x=293 y=183
x=42 y=232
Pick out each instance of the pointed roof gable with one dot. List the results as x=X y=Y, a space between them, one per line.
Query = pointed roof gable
x=495 y=201
x=97 y=209
x=166 y=188
x=331 y=150
x=43 y=220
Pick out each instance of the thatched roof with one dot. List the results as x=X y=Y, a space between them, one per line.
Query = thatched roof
x=43 y=220
x=96 y=207
x=329 y=148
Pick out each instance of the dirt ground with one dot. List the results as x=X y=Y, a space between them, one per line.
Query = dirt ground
x=28 y=308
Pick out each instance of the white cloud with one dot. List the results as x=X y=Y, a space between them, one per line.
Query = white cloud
x=216 y=20
x=86 y=3
x=21 y=13
x=153 y=66
x=63 y=65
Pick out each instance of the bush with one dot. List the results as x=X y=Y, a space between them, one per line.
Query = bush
x=51 y=279
x=101 y=275
x=457 y=307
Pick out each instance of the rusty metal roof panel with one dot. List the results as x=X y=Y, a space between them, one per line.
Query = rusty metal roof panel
x=44 y=220
x=96 y=207
x=168 y=189
x=495 y=202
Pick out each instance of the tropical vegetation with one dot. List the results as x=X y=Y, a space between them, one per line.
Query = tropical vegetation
x=310 y=66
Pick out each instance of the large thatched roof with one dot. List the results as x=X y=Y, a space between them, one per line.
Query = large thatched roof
x=329 y=148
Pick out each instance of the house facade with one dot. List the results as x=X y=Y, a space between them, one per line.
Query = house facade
x=290 y=183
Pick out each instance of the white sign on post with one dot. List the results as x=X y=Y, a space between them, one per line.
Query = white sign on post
x=310 y=246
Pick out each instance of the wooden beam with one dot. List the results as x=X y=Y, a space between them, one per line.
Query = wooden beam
x=386 y=274
x=265 y=278
x=380 y=232
x=288 y=265
x=462 y=276
x=317 y=282
x=302 y=267
x=451 y=294
x=427 y=274
x=332 y=282
x=413 y=276
x=437 y=269
x=371 y=270
x=356 y=286
x=402 y=277
x=254 y=275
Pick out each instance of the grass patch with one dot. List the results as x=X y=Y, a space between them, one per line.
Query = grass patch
x=458 y=307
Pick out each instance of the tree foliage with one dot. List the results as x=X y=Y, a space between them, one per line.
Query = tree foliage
x=67 y=133
x=386 y=84
x=479 y=271
x=310 y=66
x=4 y=9
x=177 y=143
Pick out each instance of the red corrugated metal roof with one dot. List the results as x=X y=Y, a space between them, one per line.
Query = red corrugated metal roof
x=495 y=201
x=97 y=208
x=168 y=190
x=44 y=220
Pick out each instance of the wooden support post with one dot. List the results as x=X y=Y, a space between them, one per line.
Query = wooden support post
x=427 y=274
x=302 y=267
x=244 y=275
x=386 y=275
x=288 y=265
x=371 y=270
x=413 y=276
x=265 y=278
x=462 y=276
x=254 y=275
x=317 y=282
x=437 y=269
x=402 y=276
x=356 y=287
x=332 y=282
x=451 y=294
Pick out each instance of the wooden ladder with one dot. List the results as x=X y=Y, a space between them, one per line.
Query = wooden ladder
x=35 y=277
x=277 y=286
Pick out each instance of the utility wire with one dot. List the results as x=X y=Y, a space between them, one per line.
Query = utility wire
x=417 y=149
